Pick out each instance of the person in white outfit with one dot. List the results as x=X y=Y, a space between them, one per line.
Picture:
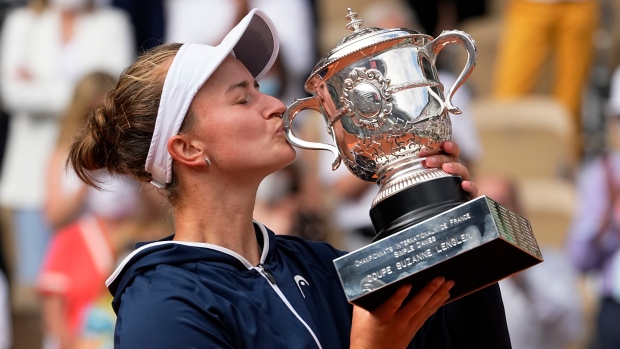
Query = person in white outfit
x=45 y=48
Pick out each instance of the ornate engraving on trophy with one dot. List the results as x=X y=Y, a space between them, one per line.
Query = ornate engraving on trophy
x=367 y=97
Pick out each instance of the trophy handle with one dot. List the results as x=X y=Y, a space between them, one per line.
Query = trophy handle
x=288 y=117
x=456 y=37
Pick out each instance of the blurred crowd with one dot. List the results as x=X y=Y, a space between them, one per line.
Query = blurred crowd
x=539 y=131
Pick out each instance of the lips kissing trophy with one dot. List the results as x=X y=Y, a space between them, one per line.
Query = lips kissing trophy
x=382 y=101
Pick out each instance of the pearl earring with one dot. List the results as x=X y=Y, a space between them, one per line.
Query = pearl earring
x=208 y=161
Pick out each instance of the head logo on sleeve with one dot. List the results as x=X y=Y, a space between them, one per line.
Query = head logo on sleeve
x=300 y=281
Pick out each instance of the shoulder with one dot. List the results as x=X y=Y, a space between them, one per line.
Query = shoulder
x=159 y=288
x=169 y=300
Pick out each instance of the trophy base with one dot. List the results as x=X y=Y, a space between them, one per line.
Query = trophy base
x=475 y=244
x=415 y=204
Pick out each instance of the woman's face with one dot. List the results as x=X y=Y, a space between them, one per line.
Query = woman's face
x=240 y=127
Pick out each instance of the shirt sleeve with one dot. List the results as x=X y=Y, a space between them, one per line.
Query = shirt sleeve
x=161 y=307
x=55 y=276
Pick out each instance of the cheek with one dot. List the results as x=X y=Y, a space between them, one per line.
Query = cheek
x=235 y=142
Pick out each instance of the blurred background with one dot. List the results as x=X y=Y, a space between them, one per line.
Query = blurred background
x=539 y=132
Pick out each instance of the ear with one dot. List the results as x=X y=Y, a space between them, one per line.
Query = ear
x=186 y=151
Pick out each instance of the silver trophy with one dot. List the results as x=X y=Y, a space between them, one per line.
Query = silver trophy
x=379 y=93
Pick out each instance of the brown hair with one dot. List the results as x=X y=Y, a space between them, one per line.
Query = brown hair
x=87 y=95
x=118 y=133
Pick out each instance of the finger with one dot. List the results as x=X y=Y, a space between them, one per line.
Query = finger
x=432 y=305
x=436 y=161
x=420 y=318
x=456 y=168
x=418 y=301
x=438 y=290
x=471 y=188
x=451 y=148
x=426 y=151
x=440 y=296
x=388 y=308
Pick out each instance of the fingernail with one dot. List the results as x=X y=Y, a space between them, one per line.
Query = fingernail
x=439 y=280
x=450 y=284
x=431 y=161
x=450 y=166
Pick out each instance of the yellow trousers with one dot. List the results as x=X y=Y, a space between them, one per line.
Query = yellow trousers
x=532 y=31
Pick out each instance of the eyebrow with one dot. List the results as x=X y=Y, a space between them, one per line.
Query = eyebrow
x=241 y=85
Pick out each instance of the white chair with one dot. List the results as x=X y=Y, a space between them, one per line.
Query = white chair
x=549 y=205
x=529 y=137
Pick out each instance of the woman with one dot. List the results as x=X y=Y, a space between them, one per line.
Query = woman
x=66 y=195
x=91 y=227
x=45 y=48
x=191 y=120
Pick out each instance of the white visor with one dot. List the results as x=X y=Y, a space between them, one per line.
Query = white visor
x=254 y=42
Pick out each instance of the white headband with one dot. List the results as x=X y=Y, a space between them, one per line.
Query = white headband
x=254 y=42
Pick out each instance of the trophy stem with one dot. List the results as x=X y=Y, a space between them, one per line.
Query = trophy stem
x=416 y=203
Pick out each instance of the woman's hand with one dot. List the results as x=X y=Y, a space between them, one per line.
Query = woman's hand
x=394 y=323
x=448 y=161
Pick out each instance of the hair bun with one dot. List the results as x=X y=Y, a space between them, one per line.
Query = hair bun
x=94 y=146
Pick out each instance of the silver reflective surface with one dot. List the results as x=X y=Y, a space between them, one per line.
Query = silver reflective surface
x=383 y=102
x=474 y=244
x=383 y=110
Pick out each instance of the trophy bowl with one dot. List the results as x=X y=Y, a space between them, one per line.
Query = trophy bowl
x=382 y=101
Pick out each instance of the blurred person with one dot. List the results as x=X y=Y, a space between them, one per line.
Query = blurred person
x=94 y=226
x=594 y=239
x=544 y=309
x=80 y=257
x=191 y=120
x=66 y=196
x=150 y=221
x=535 y=29
x=214 y=18
x=46 y=47
x=353 y=196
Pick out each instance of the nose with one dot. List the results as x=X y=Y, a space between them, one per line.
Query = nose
x=274 y=107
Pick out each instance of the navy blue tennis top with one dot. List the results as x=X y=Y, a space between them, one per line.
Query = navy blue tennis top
x=182 y=295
